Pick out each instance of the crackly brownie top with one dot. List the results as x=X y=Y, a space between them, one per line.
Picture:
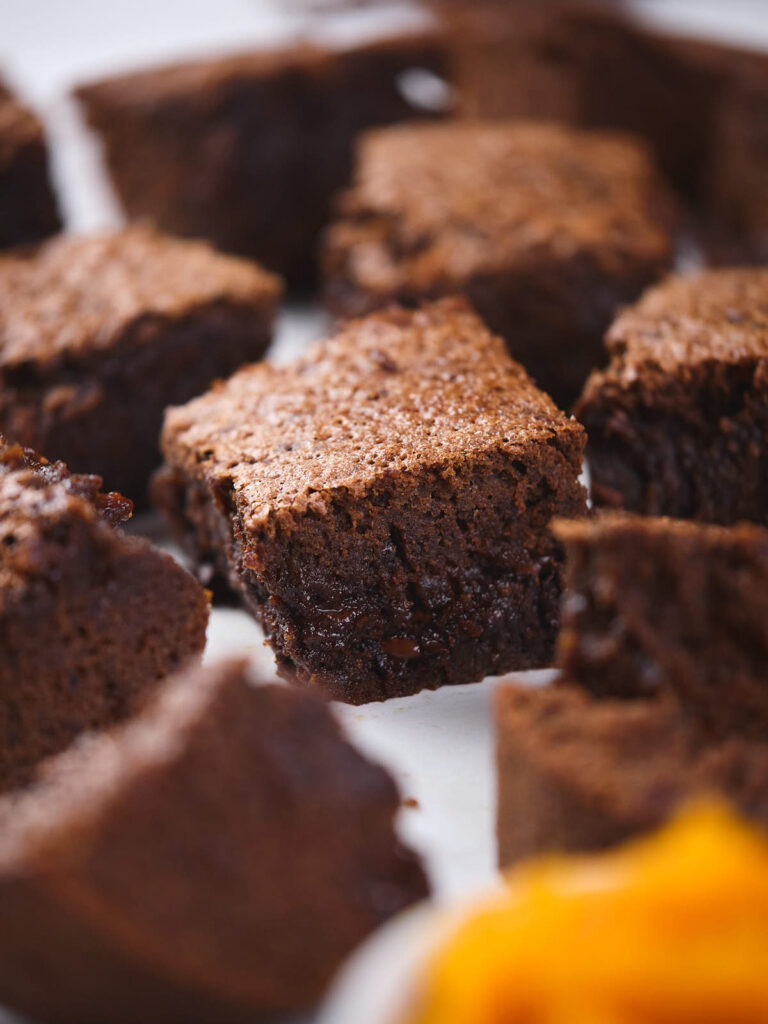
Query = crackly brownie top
x=394 y=392
x=77 y=294
x=716 y=315
x=189 y=79
x=434 y=204
x=18 y=124
x=40 y=503
x=627 y=529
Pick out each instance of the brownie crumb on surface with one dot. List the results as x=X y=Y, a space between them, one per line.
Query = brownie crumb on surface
x=546 y=229
x=98 y=334
x=677 y=422
x=90 y=618
x=659 y=606
x=214 y=859
x=269 y=134
x=28 y=208
x=383 y=503
x=577 y=773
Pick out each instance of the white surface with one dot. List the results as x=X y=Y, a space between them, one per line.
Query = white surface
x=437 y=744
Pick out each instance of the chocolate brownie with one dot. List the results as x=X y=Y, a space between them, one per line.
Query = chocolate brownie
x=99 y=334
x=28 y=209
x=677 y=422
x=546 y=229
x=669 y=606
x=248 y=150
x=215 y=859
x=90 y=617
x=577 y=774
x=383 y=503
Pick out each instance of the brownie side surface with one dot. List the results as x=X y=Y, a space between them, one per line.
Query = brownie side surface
x=665 y=606
x=383 y=504
x=546 y=229
x=677 y=421
x=90 y=618
x=28 y=208
x=276 y=856
x=578 y=774
x=270 y=135
x=91 y=327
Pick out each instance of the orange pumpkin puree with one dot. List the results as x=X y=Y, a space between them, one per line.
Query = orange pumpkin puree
x=671 y=929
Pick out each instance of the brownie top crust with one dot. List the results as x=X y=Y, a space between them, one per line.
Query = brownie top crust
x=716 y=315
x=623 y=526
x=41 y=503
x=145 y=89
x=77 y=294
x=18 y=124
x=390 y=393
x=438 y=203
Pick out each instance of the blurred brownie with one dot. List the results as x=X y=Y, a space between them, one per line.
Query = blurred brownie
x=578 y=774
x=215 y=859
x=248 y=150
x=99 y=334
x=668 y=606
x=677 y=422
x=90 y=618
x=28 y=210
x=383 y=503
x=547 y=230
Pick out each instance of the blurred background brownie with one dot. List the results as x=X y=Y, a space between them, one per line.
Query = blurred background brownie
x=677 y=423
x=90 y=617
x=383 y=503
x=215 y=859
x=576 y=773
x=98 y=334
x=28 y=209
x=546 y=229
x=247 y=151
x=668 y=606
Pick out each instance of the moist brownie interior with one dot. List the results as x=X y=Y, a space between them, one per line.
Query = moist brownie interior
x=546 y=229
x=383 y=503
x=215 y=859
x=90 y=618
x=98 y=334
x=677 y=422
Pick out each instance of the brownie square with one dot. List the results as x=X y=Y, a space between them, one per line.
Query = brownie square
x=99 y=334
x=577 y=773
x=248 y=150
x=214 y=859
x=668 y=606
x=90 y=617
x=383 y=503
x=677 y=422
x=546 y=229
x=28 y=209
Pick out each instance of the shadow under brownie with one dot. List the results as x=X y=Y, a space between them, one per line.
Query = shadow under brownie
x=547 y=230
x=98 y=334
x=28 y=208
x=677 y=422
x=214 y=859
x=90 y=618
x=383 y=503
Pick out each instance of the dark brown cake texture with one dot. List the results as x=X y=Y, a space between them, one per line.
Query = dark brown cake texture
x=215 y=859
x=547 y=230
x=28 y=209
x=90 y=618
x=383 y=503
x=577 y=773
x=98 y=334
x=248 y=150
x=657 y=606
x=678 y=421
